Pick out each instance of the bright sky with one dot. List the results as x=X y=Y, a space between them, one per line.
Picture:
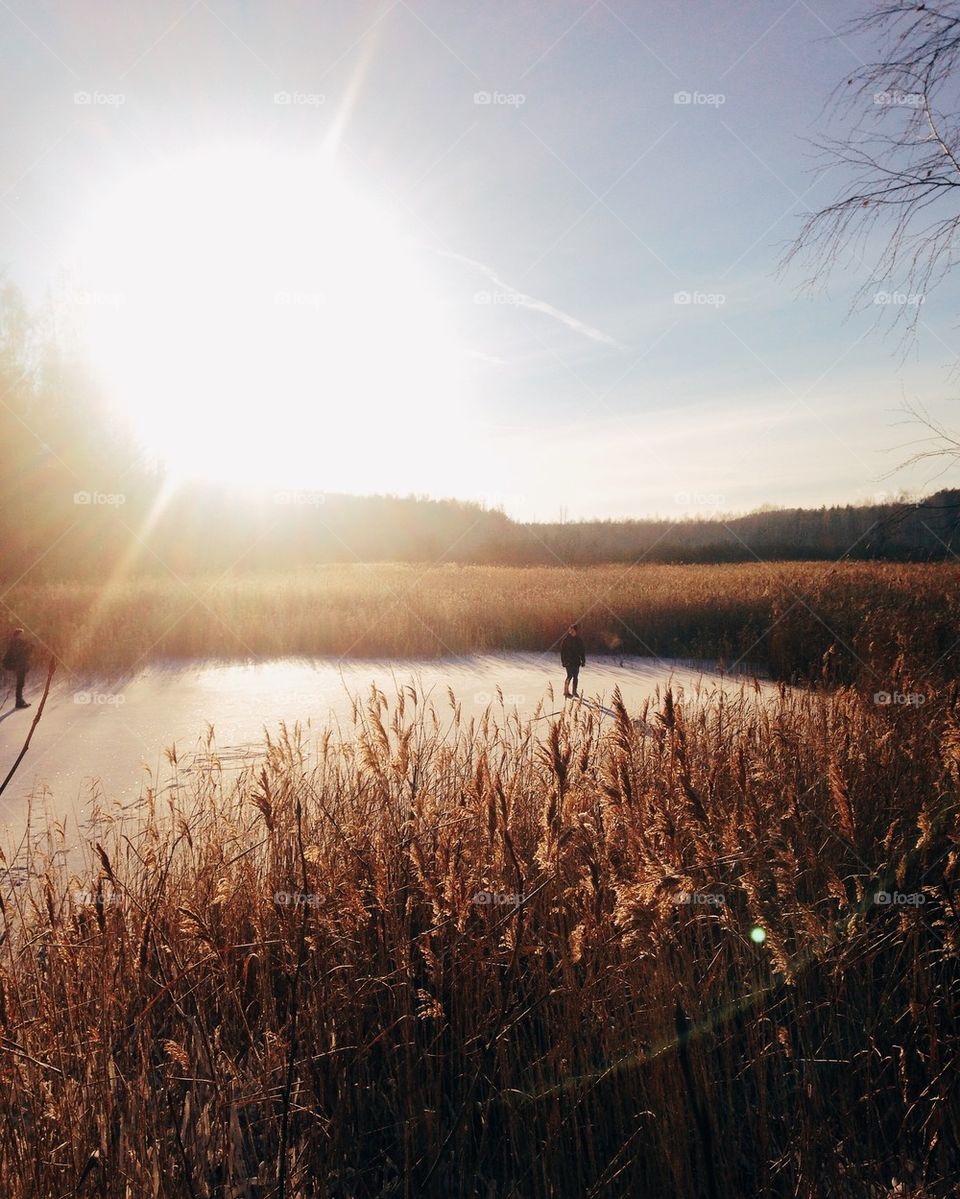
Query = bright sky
x=437 y=246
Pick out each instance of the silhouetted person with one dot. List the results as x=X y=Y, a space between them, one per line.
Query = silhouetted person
x=17 y=660
x=572 y=657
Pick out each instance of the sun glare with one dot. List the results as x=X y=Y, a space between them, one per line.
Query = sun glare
x=259 y=321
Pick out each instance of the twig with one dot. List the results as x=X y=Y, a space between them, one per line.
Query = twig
x=12 y=1047
x=294 y=1012
x=36 y=720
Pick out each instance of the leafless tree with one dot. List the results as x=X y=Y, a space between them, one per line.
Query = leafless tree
x=900 y=159
x=935 y=442
x=897 y=209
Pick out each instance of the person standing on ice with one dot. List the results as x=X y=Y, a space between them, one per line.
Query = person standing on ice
x=16 y=659
x=572 y=657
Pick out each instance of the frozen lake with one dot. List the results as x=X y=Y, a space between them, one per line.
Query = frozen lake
x=106 y=743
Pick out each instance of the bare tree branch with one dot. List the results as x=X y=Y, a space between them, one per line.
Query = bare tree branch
x=897 y=210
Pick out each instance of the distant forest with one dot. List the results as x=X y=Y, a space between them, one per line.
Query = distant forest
x=78 y=501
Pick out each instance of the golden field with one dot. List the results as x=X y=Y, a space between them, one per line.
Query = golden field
x=782 y=616
x=704 y=949
x=507 y=959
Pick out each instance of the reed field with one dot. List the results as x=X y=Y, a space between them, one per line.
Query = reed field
x=708 y=949
x=334 y=863
x=704 y=949
x=784 y=617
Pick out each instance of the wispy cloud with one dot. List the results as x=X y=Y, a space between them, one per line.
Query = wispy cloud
x=522 y=300
x=486 y=359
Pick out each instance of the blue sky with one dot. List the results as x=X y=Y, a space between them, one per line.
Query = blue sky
x=557 y=222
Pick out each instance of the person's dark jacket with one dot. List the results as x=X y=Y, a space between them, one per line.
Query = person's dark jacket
x=17 y=655
x=572 y=652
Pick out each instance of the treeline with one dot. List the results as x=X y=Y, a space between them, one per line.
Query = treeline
x=289 y=528
x=926 y=531
x=77 y=501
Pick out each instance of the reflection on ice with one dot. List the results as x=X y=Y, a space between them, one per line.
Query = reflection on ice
x=105 y=746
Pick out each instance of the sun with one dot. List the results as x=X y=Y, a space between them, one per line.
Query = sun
x=257 y=319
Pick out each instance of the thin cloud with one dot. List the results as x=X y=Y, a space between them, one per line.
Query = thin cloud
x=486 y=359
x=522 y=300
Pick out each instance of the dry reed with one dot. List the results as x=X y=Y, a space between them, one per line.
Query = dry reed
x=506 y=959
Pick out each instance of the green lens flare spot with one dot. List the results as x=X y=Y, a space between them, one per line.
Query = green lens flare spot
x=758 y=935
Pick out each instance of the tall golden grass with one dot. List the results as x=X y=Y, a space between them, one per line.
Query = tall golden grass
x=507 y=959
x=783 y=616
